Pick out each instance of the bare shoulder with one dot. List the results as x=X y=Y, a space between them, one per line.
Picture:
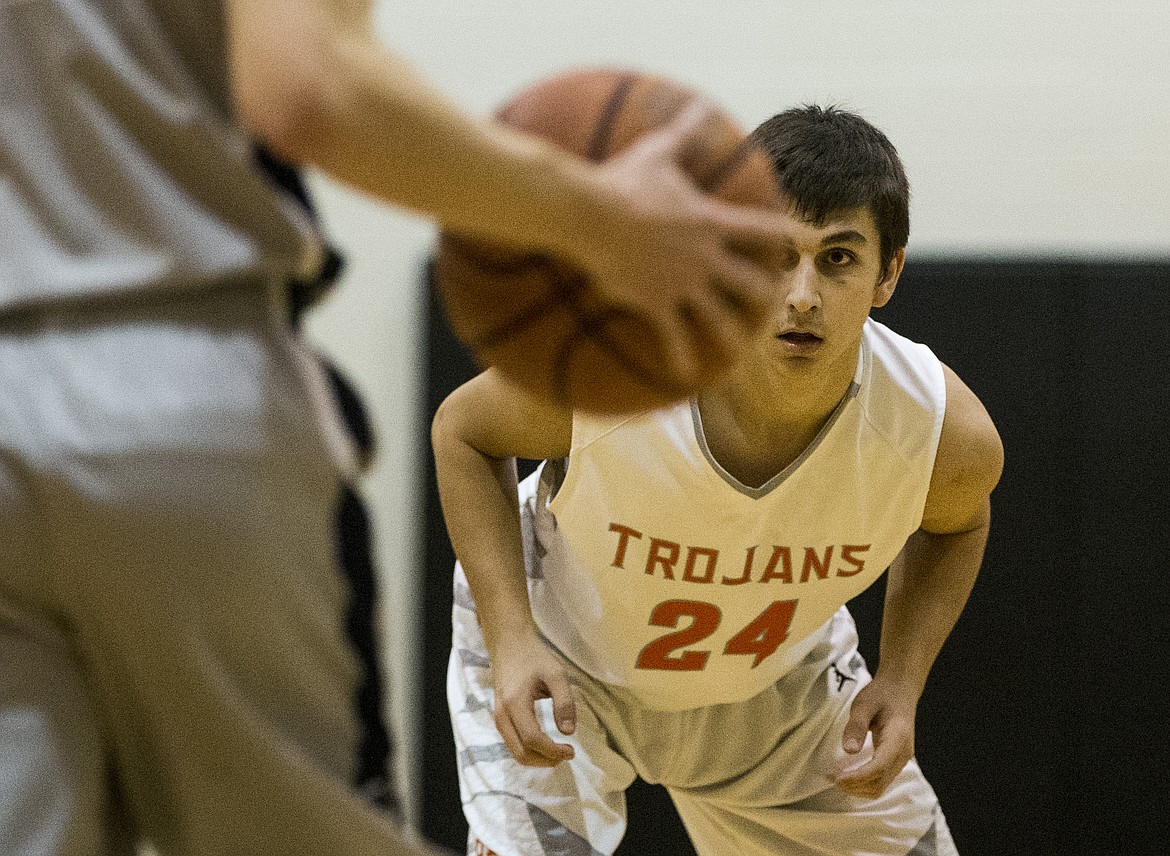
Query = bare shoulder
x=968 y=464
x=500 y=420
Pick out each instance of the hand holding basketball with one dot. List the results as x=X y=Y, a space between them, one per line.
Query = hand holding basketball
x=714 y=312
x=659 y=301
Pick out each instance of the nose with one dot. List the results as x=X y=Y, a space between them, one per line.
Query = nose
x=804 y=293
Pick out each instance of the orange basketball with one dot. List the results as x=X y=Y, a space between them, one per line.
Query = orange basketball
x=535 y=317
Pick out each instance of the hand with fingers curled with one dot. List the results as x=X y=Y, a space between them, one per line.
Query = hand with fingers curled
x=886 y=710
x=710 y=251
x=658 y=271
x=525 y=670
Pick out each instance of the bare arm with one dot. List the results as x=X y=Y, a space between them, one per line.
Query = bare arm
x=927 y=588
x=311 y=79
x=477 y=434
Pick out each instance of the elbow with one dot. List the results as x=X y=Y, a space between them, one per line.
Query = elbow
x=290 y=88
x=291 y=114
x=295 y=133
x=457 y=431
x=444 y=427
x=298 y=74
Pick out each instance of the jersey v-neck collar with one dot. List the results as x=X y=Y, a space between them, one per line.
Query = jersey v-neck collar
x=778 y=479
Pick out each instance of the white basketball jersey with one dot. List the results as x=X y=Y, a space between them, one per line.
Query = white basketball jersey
x=655 y=570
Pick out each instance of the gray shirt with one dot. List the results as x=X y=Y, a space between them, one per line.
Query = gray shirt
x=121 y=168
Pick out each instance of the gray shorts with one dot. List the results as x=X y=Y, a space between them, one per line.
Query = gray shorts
x=748 y=779
x=174 y=657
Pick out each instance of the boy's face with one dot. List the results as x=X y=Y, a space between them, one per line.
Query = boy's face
x=829 y=276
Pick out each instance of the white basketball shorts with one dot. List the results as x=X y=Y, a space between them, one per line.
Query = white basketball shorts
x=748 y=779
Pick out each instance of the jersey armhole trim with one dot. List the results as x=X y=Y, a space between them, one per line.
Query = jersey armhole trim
x=576 y=446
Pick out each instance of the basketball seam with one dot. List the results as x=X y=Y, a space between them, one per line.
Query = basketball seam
x=515 y=325
x=561 y=291
x=592 y=325
x=468 y=249
x=598 y=149
x=641 y=373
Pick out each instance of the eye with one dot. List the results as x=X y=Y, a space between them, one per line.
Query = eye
x=838 y=257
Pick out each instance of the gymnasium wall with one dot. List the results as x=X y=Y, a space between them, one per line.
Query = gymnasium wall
x=1035 y=136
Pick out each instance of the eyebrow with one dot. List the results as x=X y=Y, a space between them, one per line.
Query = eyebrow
x=846 y=236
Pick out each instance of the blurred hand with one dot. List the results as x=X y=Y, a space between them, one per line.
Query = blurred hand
x=525 y=670
x=887 y=711
x=680 y=259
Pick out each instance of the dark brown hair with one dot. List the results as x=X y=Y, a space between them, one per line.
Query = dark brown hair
x=829 y=160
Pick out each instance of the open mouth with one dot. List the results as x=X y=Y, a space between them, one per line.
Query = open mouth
x=798 y=338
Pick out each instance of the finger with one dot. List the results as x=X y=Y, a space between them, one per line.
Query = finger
x=868 y=787
x=508 y=733
x=682 y=130
x=564 y=707
x=679 y=364
x=532 y=736
x=746 y=227
x=543 y=750
x=746 y=287
x=713 y=327
x=870 y=780
x=861 y=720
x=528 y=755
x=855 y=730
x=875 y=775
x=516 y=721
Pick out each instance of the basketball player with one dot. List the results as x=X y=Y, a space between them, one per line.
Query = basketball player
x=180 y=655
x=668 y=600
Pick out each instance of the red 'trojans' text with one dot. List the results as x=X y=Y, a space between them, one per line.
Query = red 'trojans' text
x=775 y=563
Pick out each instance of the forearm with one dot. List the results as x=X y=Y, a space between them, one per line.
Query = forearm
x=478 y=495
x=927 y=588
x=473 y=176
x=367 y=117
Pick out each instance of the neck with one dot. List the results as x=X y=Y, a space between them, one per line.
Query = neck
x=761 y=418
x=765 y=397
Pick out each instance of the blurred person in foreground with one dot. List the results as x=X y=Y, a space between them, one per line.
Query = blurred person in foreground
x=182 y=658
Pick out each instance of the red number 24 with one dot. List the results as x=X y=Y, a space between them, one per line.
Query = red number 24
x=761 y=637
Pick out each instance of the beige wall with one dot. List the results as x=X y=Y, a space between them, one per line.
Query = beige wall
x=1027 y=128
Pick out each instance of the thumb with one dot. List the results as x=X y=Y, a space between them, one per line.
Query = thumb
x=687 y=126
x=860 y=718
x=564 y=707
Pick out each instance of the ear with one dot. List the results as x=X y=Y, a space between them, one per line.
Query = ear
x=884 y=290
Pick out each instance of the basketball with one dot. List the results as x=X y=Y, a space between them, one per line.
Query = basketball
x=535 y=317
